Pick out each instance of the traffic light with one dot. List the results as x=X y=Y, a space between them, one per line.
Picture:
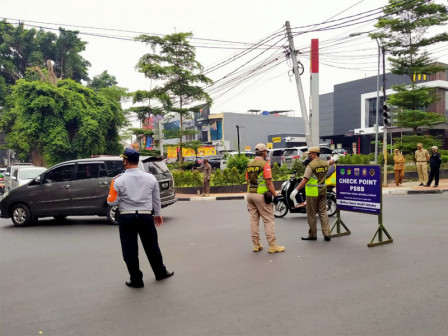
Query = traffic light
x=387 y=116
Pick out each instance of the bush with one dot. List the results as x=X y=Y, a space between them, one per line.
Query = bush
x=279 y=173
x=298 y=167
x=238 y=161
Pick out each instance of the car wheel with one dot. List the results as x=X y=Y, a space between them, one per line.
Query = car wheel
x=331 y=207
x=59 y=218
x=280 y=209
x=111 y=213
x=21 y=215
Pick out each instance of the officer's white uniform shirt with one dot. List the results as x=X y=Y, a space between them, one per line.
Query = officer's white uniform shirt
x=137 y=190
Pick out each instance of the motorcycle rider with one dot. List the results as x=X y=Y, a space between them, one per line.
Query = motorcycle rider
x=316 y=193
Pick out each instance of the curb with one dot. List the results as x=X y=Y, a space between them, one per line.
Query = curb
x=241 y=197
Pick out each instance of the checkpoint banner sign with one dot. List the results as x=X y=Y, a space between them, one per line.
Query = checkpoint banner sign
x=358 y=188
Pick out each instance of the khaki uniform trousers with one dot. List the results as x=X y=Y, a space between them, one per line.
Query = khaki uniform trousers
x=399 y=175
x=317 y=205
x=422 y=169
x=206 y=186
x=257 y=208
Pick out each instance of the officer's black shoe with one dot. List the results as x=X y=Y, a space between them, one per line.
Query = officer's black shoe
x=426 y=185
x=421 y=185
x=309 y=238
x=327 y=238
x=164 y=276
x=135 y=284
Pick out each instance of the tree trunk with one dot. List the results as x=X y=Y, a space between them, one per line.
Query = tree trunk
x=37 y=159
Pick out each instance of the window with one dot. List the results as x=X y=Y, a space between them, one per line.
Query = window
x=59 y=174
x=90 y=170
x=114 y=168
x=290 y=152
x=325 y=150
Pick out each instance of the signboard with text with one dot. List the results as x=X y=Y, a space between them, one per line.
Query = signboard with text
x=358 y=188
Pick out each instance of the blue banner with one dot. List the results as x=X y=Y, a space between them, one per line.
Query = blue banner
x=358 y=188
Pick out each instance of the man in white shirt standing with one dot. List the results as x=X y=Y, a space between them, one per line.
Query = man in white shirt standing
x=137 y=195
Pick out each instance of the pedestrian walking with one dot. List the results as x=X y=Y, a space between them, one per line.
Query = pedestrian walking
x=434 y=163
x=422 y=158
x=137 y=195
x=316 y=193
x=260 y=190
x=399 y=167
x=207 y=170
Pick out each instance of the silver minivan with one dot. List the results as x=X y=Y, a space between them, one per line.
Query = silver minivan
x=78 y=188
x=290 y=155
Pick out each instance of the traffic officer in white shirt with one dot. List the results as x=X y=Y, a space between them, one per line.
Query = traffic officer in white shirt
x=137 y=195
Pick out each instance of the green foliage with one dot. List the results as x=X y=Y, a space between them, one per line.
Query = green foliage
x=61 y=123
x=298 y=167
x=238 y=161
x=279 y=173
x=218 y=178
x=408 y=143
x=414 y=119
x=403 y=31
x=103 y=80
x=22 y=48
x=187 y=178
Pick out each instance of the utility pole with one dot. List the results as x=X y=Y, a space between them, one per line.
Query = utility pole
x=299 y=85
x=384 y=125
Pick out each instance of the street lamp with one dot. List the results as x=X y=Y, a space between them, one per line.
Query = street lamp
x=377 y=93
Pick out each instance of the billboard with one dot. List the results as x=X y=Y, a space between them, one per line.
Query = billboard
x=358 y=188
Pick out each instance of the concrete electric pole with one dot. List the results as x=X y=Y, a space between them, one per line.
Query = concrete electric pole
x=303 y=110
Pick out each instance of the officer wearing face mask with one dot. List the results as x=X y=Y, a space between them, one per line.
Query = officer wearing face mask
x=316 y=193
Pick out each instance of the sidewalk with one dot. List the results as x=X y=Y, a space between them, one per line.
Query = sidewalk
x=411 y=187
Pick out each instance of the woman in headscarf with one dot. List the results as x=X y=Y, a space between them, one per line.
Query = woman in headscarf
x=399 y=167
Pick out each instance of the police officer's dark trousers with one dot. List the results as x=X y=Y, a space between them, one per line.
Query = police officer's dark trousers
x=131 y=226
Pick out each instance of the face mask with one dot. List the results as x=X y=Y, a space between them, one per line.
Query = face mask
x=306 y=162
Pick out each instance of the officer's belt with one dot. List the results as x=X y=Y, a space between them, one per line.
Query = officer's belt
x=136 y=212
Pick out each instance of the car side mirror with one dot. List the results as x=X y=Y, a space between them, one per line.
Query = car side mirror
x=37 y=179
x=7 y=174
x=14 y=178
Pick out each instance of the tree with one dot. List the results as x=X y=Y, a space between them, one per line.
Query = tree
x=403 y=32
x=22 y=48
x=103 y=80
x=59 y=123
x=173 y=66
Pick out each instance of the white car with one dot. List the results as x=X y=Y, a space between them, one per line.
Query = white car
x=23 y=175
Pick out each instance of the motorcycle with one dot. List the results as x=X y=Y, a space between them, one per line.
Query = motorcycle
x=285 y=204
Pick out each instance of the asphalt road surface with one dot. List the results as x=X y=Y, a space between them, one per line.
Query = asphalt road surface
x=68 y=278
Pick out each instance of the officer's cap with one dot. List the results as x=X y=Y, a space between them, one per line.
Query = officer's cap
x=131 y=155
x=420 y=144
x=434 y=147
x=314 y=149
x=260 y=147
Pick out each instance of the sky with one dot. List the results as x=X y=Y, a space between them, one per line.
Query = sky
x=241 y=24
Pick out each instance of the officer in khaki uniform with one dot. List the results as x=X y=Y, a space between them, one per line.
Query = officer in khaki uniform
x=259 y=181
x=422 y=158
x=316 y=193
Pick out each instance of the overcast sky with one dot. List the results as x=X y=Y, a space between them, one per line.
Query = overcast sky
x=211 y=22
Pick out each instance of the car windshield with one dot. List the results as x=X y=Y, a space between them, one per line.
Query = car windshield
x=290 y=152
x=29 y=174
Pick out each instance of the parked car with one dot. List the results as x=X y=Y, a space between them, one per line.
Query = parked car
x=227 y=155
x=275 y=155
x=24 y=175
x=214 y=160
x=10 y=172
x=341 y=151
x=76 y=188
x=297 y=153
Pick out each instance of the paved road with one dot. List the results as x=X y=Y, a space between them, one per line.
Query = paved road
x=68 y=279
